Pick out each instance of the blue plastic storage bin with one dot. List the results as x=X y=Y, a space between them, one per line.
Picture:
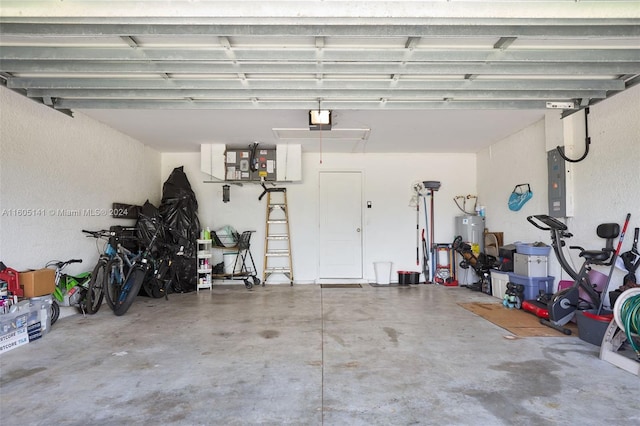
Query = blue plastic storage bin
x=533 y=285
x=529 y=248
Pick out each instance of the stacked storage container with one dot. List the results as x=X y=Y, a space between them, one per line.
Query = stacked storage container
x=530 y=269
x=499 y=280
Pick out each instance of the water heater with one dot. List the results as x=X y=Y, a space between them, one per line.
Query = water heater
x=471 y=229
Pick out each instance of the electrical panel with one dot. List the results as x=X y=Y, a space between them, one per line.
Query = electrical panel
x=250 y=164
x=282 y=163
x=560 y=184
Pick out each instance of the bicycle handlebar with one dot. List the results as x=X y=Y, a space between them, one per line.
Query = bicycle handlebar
x=59 y=264
x=107 y=234
x=98 y=234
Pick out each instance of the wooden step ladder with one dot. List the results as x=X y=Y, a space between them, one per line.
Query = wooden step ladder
x=277 y=244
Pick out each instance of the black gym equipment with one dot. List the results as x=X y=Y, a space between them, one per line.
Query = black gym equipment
x=562 y=305
x=481 y=264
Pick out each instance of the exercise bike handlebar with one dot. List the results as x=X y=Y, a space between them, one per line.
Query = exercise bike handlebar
x=551 y=222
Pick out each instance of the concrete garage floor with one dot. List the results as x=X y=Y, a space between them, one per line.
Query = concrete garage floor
x=304 y=355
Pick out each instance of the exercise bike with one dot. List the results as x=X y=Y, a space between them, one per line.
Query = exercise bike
x=558 y=309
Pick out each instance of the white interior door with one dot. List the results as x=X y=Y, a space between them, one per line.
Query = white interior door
x=340 y=225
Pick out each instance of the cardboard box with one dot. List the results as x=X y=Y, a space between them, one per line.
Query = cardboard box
x=38 y=283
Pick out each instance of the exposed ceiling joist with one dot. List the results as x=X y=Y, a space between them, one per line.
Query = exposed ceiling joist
x=309 y=55
x=292 y=104
x=355 y=68
x=293 y=94
x=363 y=54
x=571 y=29
x=526 y=84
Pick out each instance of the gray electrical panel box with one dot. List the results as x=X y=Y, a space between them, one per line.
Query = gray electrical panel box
x=241 y=166
x=558 y=195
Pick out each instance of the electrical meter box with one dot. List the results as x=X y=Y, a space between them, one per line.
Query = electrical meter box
x=250 y=165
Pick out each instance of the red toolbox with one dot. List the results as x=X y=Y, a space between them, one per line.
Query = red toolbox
x=11 y=277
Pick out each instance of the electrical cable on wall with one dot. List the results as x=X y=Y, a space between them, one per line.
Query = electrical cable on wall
x=252 y=157
x=587 y=142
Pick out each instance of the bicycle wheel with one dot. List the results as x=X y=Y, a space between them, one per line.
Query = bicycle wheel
x=130 y=289
x=113 y=281
x=95 y=292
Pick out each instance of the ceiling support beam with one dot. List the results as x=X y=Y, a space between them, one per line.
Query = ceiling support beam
x=296 y=105
x=471 y=83
x=334 y=94
x=310 y=55
x=547 y=28
x=422 y=69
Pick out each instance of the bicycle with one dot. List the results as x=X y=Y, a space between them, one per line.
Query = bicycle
x=123 y=294
x=95 y=292
x=99 y=275
x=118 y=263
x=70 y=290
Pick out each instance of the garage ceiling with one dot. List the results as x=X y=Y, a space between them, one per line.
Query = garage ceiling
x=413 y=76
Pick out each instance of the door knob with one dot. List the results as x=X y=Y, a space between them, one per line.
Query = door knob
x=358 y=230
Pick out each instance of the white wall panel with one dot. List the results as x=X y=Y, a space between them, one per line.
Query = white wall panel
x=389 y=226
x=59 y=175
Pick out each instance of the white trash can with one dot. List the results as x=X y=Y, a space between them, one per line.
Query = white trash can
x=229 y=259
x=383 y=272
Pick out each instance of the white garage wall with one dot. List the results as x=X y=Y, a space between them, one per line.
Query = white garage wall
x=389 y=226
x=65 y=173
x=607 y=182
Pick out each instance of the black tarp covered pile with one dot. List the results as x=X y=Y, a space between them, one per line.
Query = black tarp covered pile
x=178 y=210
x=148 y=223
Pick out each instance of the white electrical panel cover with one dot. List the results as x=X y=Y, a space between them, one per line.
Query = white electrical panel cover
x=289 y=161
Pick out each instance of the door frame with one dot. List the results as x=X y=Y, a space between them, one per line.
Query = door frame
x=362 y=278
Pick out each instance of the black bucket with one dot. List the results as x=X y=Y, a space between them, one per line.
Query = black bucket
x=408 y=277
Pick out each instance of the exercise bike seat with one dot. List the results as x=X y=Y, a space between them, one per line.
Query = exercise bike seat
x=596 y=255
x=609 y=231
